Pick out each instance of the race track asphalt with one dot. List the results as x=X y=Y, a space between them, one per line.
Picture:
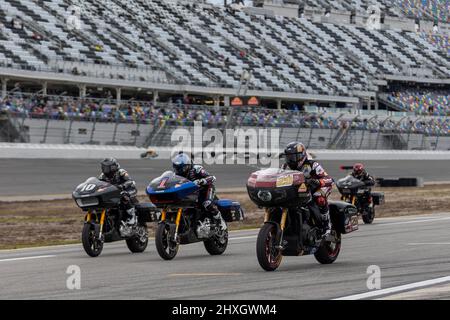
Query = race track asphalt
x=407 y=250
x=23 y=177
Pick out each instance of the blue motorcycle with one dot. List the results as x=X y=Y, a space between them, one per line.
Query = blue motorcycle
x=183 y=221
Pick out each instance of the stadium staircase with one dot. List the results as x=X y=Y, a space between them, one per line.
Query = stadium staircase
x=338 y=137
x=394 y=141
x=11 y=130
x=383 y=99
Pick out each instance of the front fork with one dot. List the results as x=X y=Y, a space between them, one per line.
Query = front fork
x=177 y=223
x=284 y=214
x=177 y=220
x=88 y=219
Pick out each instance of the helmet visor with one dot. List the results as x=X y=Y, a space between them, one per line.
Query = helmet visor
x=106 y=169
x=293 y=157
x=180 y=168
x=109 y=169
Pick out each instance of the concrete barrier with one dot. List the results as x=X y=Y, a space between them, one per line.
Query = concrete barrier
x=73 y=151
x=400 y=182
x=66 y=151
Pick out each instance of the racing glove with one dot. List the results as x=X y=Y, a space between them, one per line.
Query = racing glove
x=200 y=182
x=313 y=184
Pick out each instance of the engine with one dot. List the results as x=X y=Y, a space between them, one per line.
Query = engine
x=204 y=228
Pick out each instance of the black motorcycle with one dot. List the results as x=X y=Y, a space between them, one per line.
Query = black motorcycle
x=105 y=219
x=356 y=192
x=182 y=219
x=290 y=227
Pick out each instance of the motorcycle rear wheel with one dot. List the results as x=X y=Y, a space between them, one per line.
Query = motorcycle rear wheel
x=269 y=257
x=135 y=244
x=214 y=246
x=91 y=244
x=166 y=247
x=329 y=251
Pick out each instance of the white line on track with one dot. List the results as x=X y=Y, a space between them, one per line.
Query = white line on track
x=247 y=237
x=27 y=258
x=429 y=243
x=414 y=221
x=406 y=287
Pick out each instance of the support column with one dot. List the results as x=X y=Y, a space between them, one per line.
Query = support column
x=44 y=88
x=279 y=104
x=118 y=95
x=216 y=101
x=82 y=88
x=226 y=101
x=155 y=97
x=4 y=87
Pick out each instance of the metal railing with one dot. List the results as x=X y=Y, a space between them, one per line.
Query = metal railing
x=44 y=129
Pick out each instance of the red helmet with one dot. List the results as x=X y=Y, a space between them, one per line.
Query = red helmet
x=358 y=168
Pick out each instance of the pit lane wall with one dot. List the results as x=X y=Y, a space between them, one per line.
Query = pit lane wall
x=74 y=151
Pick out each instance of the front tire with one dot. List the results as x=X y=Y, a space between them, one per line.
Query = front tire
x=269 y=257
x=369 y=217
x=91 y=244
x=329 y=250
x=166 y=247
x=216 y=245
x=137 y=244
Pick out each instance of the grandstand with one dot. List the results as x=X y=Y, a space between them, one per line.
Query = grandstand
x=390 y=84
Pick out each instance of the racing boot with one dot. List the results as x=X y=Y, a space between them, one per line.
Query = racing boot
x=219 y=221
x=326 y=224
x=132 y=220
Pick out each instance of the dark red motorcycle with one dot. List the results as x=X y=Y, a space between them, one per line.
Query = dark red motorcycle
x=290 y=227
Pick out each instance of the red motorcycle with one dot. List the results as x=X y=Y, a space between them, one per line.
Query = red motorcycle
x=290 y=227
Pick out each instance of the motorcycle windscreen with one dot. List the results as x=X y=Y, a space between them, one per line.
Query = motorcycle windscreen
x=184 y=195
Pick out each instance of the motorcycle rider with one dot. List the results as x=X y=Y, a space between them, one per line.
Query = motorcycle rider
x=360 y=173
x=112 y=173
x=317 y=180
x=183 y=166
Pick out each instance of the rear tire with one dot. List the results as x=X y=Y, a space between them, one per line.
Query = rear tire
x=329 y=251
x=215 y=245
x=269 y=257
x=368 y=218
x=91 y=244
x=135 y=244
x=167 y=249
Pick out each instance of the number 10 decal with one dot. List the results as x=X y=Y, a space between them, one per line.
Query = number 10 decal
x=88 y=187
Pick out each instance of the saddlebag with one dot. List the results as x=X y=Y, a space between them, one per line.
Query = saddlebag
x=230 y=210
x=147 y=212
x=378 y=198
x=344 y=216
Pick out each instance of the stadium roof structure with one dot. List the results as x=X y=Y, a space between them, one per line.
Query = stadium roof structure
x=172 y=46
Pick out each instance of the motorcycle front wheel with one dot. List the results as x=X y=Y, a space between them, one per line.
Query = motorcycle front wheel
x=269 y=256
x=369 y=217
x=91 y=244
x=166 y=246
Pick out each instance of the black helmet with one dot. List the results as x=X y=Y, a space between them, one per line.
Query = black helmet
x=295 y=153
x=109 y=167
x=181 y=164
